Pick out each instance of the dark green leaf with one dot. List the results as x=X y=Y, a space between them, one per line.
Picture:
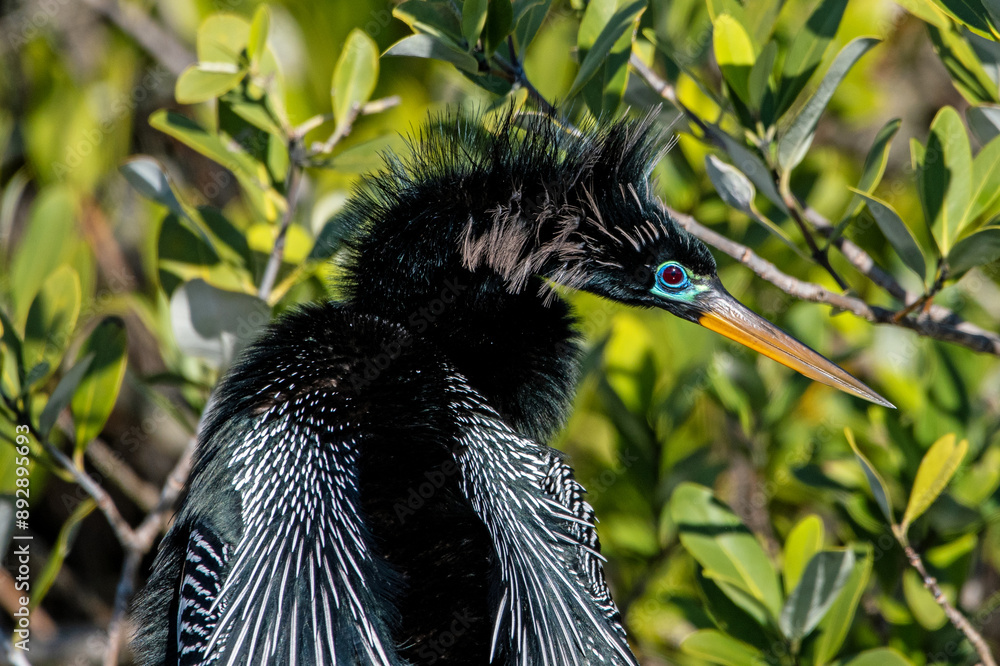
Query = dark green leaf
x=984 y=121
x=52 y=318
x=473 y=20
x=833 y=628
x=977 y=249
x=963 y=66
x=432 y=17
x=985 y=182
x=792 y=147
x=750 y=164
x=823 y=579
x=759 y=81
x=623 y=20
x=62 y=394
x=61 y=548
x=148 y=177
x=807 y=51
x=945 y=178
x=499 y=22
x=427 y=46
x=733 y=187
x=528 y=17
x=969 y=12
x=875 y=481
x=897 y=233
x=97 y=392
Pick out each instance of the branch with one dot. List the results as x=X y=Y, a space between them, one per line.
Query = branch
x=278 y=251
x=954 y=615
x=939 y=323
x=146 y=32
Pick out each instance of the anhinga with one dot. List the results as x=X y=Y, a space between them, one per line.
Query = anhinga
x=373 y=485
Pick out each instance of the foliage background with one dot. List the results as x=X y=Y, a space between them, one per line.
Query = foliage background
x=662 y=403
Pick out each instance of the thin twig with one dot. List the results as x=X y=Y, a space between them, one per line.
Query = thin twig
x=954 y=615
x=938 y=323
x=278 y=251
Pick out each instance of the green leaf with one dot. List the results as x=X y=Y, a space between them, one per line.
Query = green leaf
x=200 y=83
x=877 y=657
x=256 y=114
x=734 y=188
x=734 y=53
x=473 y=20
x=967 y=73
x=426 y=46
x=499 y=21
x=985 y=182
x=804 y=541
x=528 y=18
x=604 y=91
x=259 y=27
x=935 y=471
x=921 y=603
x=875 y=481
x=750 y=164
x=436 y=18
x=62 y=394
x=718 y=648
x=729 y=552
x=984 y=121
x=974 y=250
x=792 y=147
x=926 y=11
x=355 y=75
x=823 y=579
x=833 y=628
x=97 y=392
x=970 y=13
x=222 y=38
x=149 y=179
x=945 y=178
x=875 y=163
x=807 y=51
x=758 y=83
x=64 y=543
x=623 y=20
x=12 y=370
x=52 y=318
x=897 y=233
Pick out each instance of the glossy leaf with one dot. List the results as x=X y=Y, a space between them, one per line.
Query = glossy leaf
x=984 y=121
x=215 y=324
x=936 y=469
x=149 y=179
x=897 y=233
x=473 y=20
x=720 y=542
x=807 y=51
x=963 y=65
x=875 y=481
x=222 y=38
x=735 y=54
x=199 y=83
x=945 y=177
x=718 y=648
x=974 y=250
x=623 y=20
x=804 y=541
x=985 y=182
x=427 y=46
x=52 y=318
x=62 y=394
x=822 y=580
x=97 y=392
x=355 y=75
x=833 y=628
x=794 y=144
x=432 y=17
x=733 y=187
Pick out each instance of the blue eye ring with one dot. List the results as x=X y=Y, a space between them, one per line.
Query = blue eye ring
x=671 y=276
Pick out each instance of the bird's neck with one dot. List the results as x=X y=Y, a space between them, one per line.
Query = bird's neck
x=518 y=350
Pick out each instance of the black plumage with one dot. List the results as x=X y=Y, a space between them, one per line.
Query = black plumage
x=372 y=485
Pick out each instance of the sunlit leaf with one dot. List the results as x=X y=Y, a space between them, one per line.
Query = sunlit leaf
x=97 y=392
x=822 y=580
x=921 y=602
x=355 y=75
x=833 y=628
x=945 y=181
x=427 y=46
x=720 y=542
x=718 y=648
x=795 y=142
x=473 y=20
x=936 y=469
x=974 y=250
x=967 y=73
x=438 y=18
x=807 y=51
x=804 y=541
x=259 y=28
x=52 y=318
x=528 y=17
x=985 y=182
x=222 y=38
x=875 y=163
x=62 y=394
x=877 y=657
x=897 y=233
x=623 y=20
x=199 y=83
x=735 y=54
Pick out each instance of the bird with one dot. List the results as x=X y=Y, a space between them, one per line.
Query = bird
x=372 y=484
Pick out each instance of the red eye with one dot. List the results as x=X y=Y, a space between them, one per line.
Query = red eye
x=672 y=275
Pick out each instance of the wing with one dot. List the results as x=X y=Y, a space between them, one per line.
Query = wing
x=205 y=564
x=554 y=604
